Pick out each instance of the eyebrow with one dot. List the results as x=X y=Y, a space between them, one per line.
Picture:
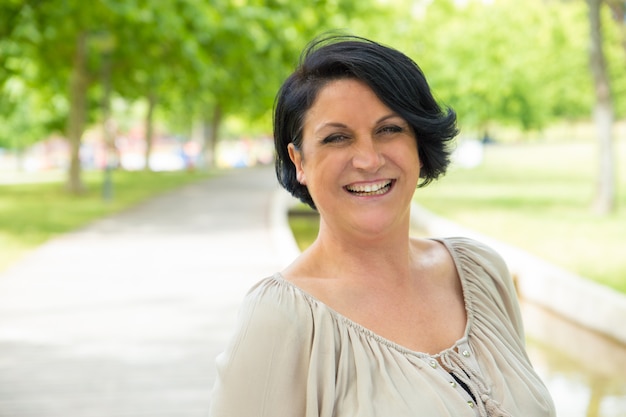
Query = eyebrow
x=389 y=116
x=343 y=126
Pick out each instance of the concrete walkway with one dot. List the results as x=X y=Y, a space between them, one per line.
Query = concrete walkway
x=125 y=317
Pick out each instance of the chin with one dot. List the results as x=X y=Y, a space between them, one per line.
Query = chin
x=377 y=225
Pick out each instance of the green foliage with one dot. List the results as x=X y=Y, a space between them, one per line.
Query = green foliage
x=505 y=62
x=20 y=129
x=522 y=65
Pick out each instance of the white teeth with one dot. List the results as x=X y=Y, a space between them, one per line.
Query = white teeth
x=378 y=188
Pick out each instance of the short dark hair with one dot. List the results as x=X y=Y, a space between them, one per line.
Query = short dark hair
x=395 y=78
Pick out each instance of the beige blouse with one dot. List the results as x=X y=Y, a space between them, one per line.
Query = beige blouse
x=293 y=356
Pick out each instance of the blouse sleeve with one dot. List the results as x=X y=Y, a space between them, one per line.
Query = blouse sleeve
x=263 y=371
x=506 y=288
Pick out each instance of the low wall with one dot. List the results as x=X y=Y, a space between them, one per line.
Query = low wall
x=580 y=300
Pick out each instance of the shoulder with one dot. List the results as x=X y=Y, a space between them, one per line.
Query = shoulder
x=473 y=254
x=482 y=268
x=266 y=360
x=469 y=257
x=487 y=279
x=273 y=322
x=274 y=304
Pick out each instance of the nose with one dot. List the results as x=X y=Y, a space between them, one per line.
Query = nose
x=367 y=155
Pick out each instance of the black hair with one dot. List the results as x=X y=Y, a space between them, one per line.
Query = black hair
x=395 y=78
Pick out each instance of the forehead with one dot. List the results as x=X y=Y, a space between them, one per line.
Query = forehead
x=345 y=98
x=343 y=89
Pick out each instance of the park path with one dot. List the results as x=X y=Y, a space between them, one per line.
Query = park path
x=125 y=317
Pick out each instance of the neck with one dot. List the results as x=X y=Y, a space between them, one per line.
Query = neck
x=364 y=256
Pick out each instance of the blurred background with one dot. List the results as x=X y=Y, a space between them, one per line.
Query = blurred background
x=106 y=103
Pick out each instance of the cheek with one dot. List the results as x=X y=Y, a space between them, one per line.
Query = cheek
x=413 y=152
x=319 y=169
x=407 y=153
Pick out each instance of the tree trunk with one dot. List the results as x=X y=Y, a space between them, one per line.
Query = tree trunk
x=604 y=202
x=111 y=160
x=78 y=109
x=152 y=100
x=211 y=131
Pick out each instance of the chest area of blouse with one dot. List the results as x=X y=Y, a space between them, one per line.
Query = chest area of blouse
x=390 y=382
x=376 y=377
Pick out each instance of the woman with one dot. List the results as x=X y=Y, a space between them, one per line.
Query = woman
x=369 y=321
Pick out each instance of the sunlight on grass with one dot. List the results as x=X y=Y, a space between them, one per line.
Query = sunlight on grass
x=30 y=214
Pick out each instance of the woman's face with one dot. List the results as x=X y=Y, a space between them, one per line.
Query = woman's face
x=358 y=159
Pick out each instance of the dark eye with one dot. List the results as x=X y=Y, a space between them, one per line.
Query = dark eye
x=391 y=129
x=334 y=138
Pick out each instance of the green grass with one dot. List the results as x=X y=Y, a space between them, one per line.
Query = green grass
x=534 y=196
x=538 y=198
x=32 y=213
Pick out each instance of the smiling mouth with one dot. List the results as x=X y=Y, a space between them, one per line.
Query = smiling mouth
x=377 y=188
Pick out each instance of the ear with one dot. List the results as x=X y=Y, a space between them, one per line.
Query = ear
x=296 y=157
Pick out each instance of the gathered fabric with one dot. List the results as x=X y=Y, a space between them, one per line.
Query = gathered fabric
x=293 y=355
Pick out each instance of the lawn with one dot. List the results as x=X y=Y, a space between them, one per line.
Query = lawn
x=535 y=196
x=32 y=213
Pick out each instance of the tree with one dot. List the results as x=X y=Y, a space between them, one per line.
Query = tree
x=14 y=30
x=604 y=202
x=65 y=49
x=466 y=52
x=215 y=59
x=254 y=46
x=21 y=124
x=193 y=60
x=160 y=59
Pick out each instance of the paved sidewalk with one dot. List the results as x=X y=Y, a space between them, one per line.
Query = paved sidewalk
x=125 y=317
